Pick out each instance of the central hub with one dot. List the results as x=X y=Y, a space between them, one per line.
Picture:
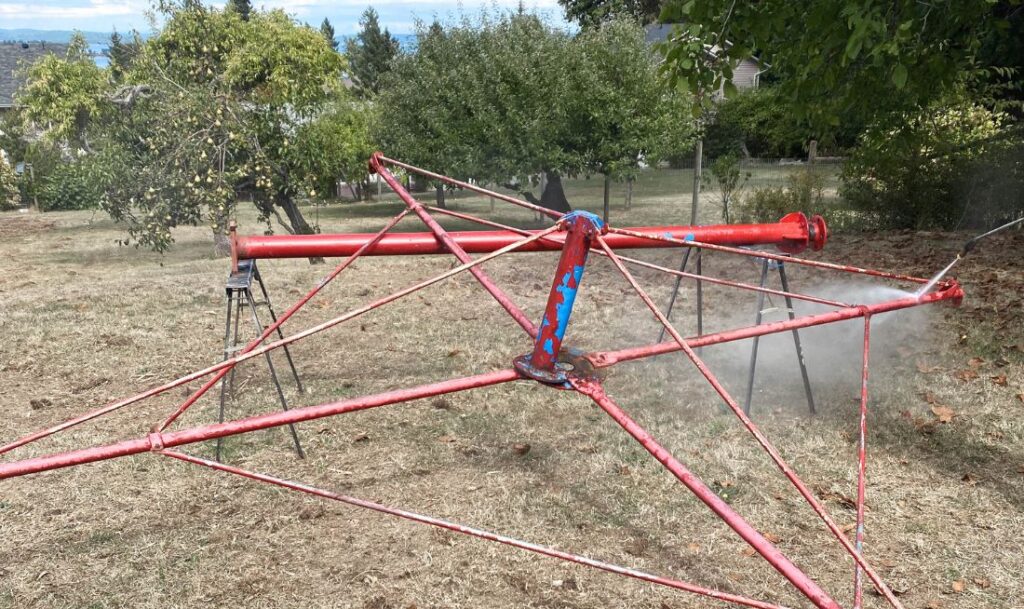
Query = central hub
x=542 y=363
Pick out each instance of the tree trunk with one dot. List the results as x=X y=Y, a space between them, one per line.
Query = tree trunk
x=553 y=196
x=299 y=224
x=440 y=196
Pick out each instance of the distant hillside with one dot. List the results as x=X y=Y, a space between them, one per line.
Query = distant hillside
x=61 y=36
x=407 y=41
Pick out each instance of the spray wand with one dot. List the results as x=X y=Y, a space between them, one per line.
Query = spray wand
x=962 y=253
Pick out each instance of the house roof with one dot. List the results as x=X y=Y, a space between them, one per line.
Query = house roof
x=14 y=56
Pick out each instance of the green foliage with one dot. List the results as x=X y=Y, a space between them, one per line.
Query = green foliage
x=955 y=164
x=328 y=31
x=804 y=191
x=336 y=144
x=10 y=194
x=122 y=54
x=71 y=185
x=509 y=97
x=592 y=13
x=62 y=95
x=370 y=54
x=729 y=180
x=764 y=123
x=240 y=7
x=836 y=59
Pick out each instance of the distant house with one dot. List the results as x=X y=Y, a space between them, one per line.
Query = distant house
x=14 y=57
x=747 y=74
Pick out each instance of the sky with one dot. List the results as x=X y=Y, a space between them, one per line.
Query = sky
x=399 y=16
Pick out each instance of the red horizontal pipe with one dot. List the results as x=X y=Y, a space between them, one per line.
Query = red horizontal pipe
x=602 y=359
x=792 y=234
x=157 y=441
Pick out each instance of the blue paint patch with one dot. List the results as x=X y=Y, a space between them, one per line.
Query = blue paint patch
x=567 y=288
x=594 y=219
x=549 y=347
x=667 y=235
x=688 y=237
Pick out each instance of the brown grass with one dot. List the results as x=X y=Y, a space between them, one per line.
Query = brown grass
x=85 y=321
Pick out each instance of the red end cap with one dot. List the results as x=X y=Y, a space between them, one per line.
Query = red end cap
x=817 y=232
x=795 y=245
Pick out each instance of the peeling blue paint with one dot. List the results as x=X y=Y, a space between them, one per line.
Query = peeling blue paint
x=549 y=347
x=688 y=237
x=567 y=288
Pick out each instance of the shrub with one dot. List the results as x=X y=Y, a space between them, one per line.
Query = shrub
x=71 y=185
x=726 y=176
x=10 y=195
x=953 y=165
x=804 y=191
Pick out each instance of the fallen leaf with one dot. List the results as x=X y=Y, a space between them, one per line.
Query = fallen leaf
x=693 y=547
x=959 y=585
x=623 y=470
x=1020 y=396
x=930 y=397
x=924 y=368
x=846 y=528
x=969 y=480
x=967 y=374
x=982 y=582
x=748 y=551
x=454 y=352
x=975 y=362
x=361 y=437
x=999 y=379
x=933 y=604
x=448 y=439
x=772 y=538
x=521 y=448
x=944 y=414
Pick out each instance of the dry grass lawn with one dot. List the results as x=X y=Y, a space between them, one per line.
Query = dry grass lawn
x=85 y=321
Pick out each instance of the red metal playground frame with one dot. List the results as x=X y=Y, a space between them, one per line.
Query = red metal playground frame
x=575 y=235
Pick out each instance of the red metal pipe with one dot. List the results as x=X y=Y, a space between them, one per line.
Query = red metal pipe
x=862 y=465
x=951 y=292
x=792 y=234
x=159 y=441
x=582 y=228
x=443 y=239
x=773 y=453
x=478 y=533
x=209 y=384
x=752 y=536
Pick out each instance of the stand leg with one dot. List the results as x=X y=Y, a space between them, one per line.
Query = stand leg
x=700 y=298
x=675 y=292
x=227 y=385
x=796 y=340
x=247 y=294
x=753 y=348
x=273 y=317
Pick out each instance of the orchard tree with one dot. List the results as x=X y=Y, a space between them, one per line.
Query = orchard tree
x=506 y=98
x=837 y=59
x=212 y=108
x=592 y=13
x=370 y=54
x=62 y=96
